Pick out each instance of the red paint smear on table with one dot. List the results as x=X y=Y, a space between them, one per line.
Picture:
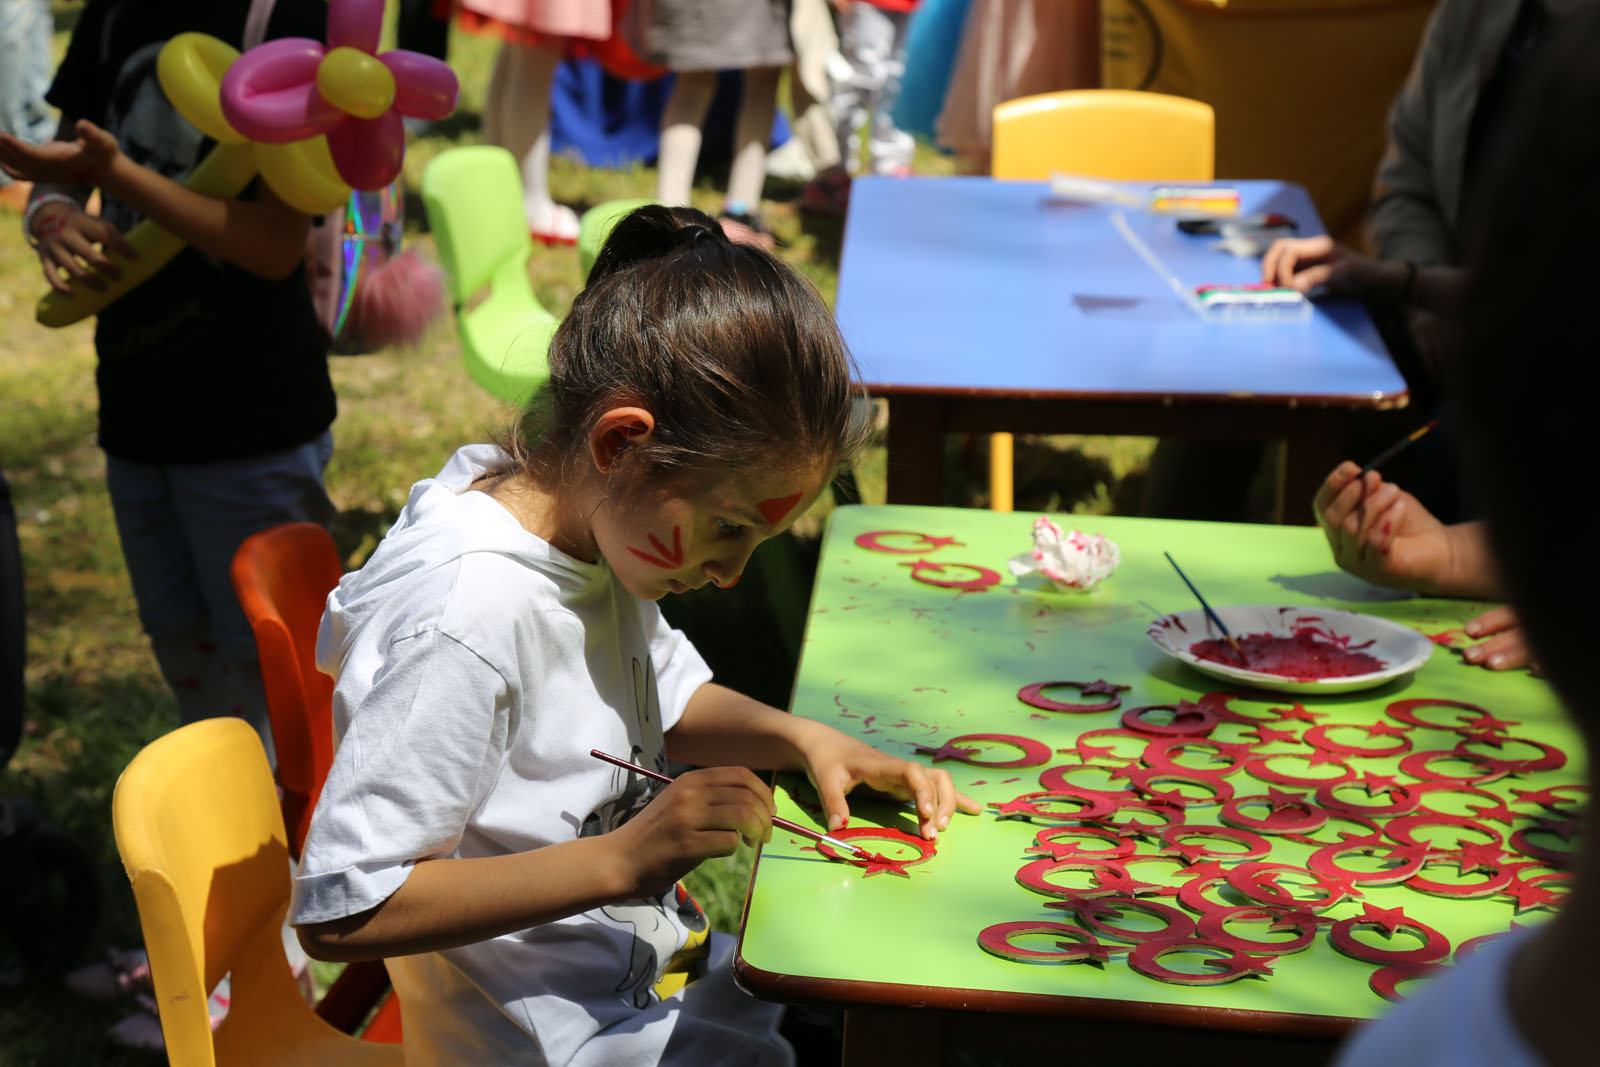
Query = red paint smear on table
x=775 y=509
x=666 y=560
x=1304 y=657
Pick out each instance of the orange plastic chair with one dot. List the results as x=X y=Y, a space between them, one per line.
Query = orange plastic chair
x=1120 y=134
x=282 y=576
x=201 y=836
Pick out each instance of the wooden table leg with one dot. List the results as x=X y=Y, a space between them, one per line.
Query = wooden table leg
x=1310 y=452
x=916 y=451
x=876 y=1037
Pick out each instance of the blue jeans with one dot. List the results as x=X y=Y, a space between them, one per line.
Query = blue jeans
x=25 y=67
x=180 y=526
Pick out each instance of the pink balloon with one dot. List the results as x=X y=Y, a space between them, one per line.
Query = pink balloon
x=368 y=152
x=424 y=87
x=270 y=93
x=355 y=24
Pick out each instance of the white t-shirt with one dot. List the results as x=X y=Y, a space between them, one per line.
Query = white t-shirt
x=476 y=666
x=1461 y=1018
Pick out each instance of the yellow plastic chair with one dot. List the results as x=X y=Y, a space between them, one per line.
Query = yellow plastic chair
x=201 y=836
x=474 y=200
x=1119 y=134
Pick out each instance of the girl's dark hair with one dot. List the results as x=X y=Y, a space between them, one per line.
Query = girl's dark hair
x=1529 y=442
x=732 y=351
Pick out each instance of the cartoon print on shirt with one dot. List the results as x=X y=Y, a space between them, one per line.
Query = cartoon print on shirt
x=659 y=942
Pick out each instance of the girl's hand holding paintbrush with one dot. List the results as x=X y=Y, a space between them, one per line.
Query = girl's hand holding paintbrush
x=1380 y=532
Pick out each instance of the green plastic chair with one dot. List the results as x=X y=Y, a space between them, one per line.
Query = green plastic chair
x=596 y=224
x=474 y=200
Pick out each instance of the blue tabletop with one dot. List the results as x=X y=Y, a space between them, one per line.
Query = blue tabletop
x=974 y=285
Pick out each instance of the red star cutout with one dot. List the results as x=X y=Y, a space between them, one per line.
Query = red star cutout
x=881 y=864
x=1298 y=713
x=1498 y=812
x=1017 y=808
x=947 y=751
x=1111 y=881
x=1089 y=753
x=1378 y=784
x=1479 y=856
x=1548 y=798
x=1101 y=687
x=1266 y=735
x=1125 y=771
x=1278 y=800
x=1489 y=722
x=1317 y=758
x=1562 y=828
x=1384 y=729
x=1390 y=919
x=1484 y=737
x=1532 y=896
x=1244 y=963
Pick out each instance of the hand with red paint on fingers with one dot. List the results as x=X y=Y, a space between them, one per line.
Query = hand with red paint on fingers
x=1382 y=533
x=702 y=814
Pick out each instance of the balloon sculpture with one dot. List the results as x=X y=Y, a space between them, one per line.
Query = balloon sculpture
x=314 y=121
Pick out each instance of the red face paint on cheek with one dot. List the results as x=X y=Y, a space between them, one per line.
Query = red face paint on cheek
x=775 y=509
x=666 y=560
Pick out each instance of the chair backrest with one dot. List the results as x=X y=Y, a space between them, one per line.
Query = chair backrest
x=1119 y=134
x=282 y=576
x=197 y=825
x=474 y=199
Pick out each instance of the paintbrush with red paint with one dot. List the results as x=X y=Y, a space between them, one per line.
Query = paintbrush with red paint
x=783 y=824
x=1226 y=636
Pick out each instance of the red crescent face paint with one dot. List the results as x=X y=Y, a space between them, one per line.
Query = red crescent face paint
x=776 y=508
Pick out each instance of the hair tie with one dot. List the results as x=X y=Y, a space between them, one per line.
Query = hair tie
x=690 y=235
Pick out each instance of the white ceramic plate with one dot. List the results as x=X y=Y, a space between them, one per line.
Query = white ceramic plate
x=1401 y=649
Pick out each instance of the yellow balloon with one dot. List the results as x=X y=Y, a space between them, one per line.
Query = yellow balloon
x=303 y=175
x=355 y=82
x=190 y=69
x=223 y=174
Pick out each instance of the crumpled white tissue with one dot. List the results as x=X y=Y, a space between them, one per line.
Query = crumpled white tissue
x=1071 y=561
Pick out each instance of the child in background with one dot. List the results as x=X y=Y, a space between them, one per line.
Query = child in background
x=1528 y=998
x=695 y=39
x=516 y=111
x=864 y=79
x=522 y=892
x=215 y=398
x=1382 y=533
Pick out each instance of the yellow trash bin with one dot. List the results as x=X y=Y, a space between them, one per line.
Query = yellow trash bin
x=1301 y=88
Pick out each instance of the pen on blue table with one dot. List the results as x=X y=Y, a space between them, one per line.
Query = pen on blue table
x=1226 y=636
x=1398 y=447
x=782 y=824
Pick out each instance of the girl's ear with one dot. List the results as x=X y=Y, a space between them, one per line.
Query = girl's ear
x=614 y=431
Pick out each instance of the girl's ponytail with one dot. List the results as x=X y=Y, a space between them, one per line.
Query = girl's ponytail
x=651 y=232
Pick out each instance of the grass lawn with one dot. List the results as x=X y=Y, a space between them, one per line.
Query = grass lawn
x=93 y=692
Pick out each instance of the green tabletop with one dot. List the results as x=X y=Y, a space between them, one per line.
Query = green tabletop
x=903 y=664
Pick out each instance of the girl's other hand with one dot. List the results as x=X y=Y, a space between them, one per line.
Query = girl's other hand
x=702 y=814
x=1507 y=648
x=73 y=247
x=837 y=763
